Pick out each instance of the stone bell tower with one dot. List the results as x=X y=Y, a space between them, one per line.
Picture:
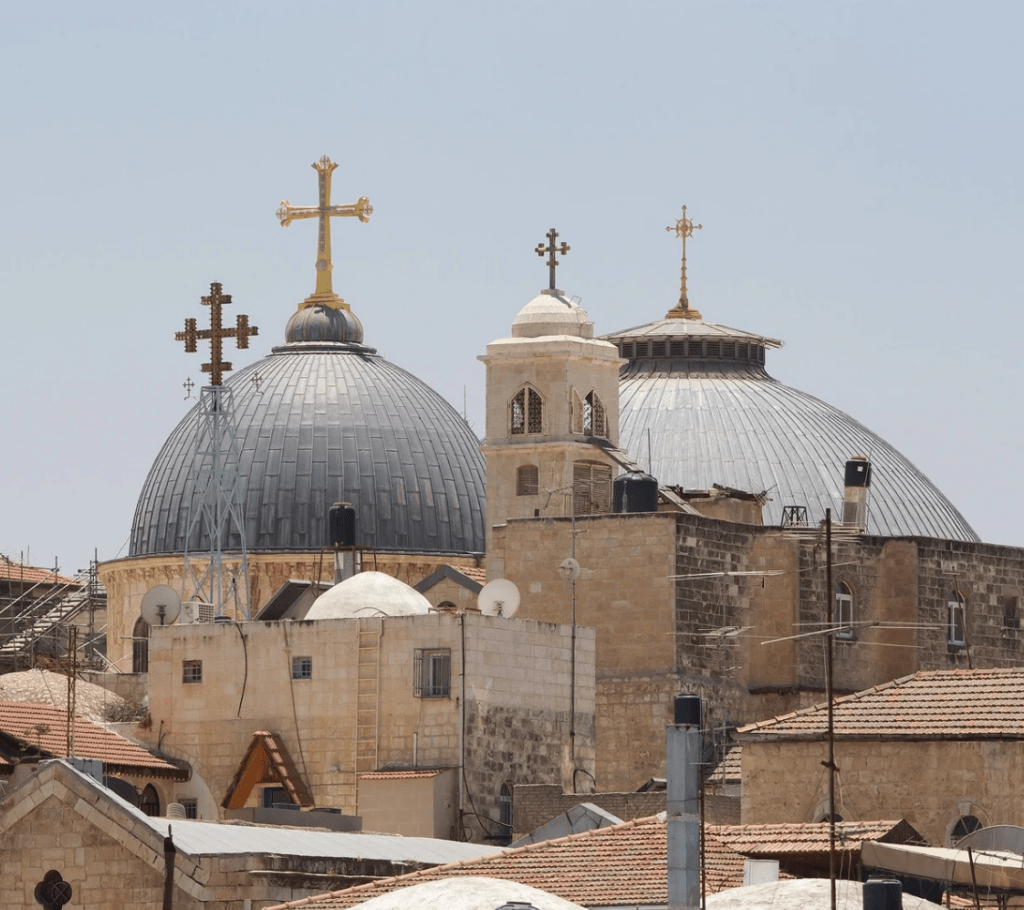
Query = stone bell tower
x=552 y=411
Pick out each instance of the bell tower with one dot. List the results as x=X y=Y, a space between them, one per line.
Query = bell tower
x=552 y=411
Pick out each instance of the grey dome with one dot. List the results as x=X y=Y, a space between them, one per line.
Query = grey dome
x=700 y=394
x=329 y=422
x=324 y=323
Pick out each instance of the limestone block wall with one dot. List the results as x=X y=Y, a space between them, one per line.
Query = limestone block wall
x=930 y=783
x=421 y=806
x=127 y=580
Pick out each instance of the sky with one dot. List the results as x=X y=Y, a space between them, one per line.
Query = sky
x=856 y=168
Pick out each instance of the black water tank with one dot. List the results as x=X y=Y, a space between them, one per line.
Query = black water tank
x=858 y=472
x=687 y=710
x=342 y=525
x=882 y=894
x=634 y=492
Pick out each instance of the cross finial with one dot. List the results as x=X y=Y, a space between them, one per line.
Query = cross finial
x=188 y=385
x=684 y=228
x=550 y=251
x=324 y=294
x=216 y=333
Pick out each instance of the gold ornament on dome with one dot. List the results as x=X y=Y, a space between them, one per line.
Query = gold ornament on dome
x=683 y=228
x=324 y=294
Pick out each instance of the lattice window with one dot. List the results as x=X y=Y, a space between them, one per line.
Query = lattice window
x=302 y=668
x=844 y=611
x=591 y=488
x=527 y=412
x=527 y=480
x=595 y=421
x=191 y=671
x=432 y=673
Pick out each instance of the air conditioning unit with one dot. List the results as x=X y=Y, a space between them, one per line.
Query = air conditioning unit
x=189 y=613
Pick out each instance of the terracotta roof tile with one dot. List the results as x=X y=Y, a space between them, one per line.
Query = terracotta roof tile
x=940 y=703
x=623 y=864
x=473 y=572
x=46 y=727
x=811 y=837
x=18 y=572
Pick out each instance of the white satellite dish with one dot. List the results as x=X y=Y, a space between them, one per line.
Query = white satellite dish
x=160 y=605
x=498 y=598
x=569 y=569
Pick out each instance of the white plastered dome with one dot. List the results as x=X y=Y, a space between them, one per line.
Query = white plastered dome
x=551 y=313
x=368 y=594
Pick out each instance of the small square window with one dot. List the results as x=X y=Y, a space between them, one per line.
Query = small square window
x=191 y=807
x=302 y=668
x=433 y=673
x=192 y=671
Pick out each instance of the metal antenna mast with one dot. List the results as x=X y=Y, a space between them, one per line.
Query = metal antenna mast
x=218 y=502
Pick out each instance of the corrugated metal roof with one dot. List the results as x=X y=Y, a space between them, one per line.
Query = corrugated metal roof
x=329 y=422
x=715 y=419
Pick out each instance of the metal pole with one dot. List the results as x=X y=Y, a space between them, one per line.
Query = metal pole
x=829 y=597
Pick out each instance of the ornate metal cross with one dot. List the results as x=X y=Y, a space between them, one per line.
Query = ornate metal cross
x=216 y=333
x=550 y=251
x=324 y=293
x=684 y=228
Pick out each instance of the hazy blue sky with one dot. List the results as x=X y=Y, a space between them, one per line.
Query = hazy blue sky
x=856 y=167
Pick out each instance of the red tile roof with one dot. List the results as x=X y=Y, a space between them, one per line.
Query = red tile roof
x=476 y=574
x=397 y=775
x=45 y=727
x=811 y=837
x=952 y=704
x=18 y=572
x=624 y=864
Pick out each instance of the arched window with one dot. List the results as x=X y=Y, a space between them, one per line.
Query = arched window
x=844 y=611
x=505 y=814
x=956 y=619
x=150 y=803
x=591 y=488
x=527 y=480
x=527 y=412
x=595 y=423
x=140 y=646
x=964 y=826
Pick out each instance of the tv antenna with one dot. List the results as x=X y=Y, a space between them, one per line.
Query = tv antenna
x=499 y=598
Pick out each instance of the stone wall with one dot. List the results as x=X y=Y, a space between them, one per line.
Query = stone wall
x=930 y=783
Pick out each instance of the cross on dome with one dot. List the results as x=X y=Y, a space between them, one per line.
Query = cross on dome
x=324 y=294
x=216 y=334
x=550 y=251
x=683 y=228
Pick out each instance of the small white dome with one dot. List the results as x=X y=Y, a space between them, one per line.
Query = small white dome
x=368 y=594
x=466 y=893
x=552 y=314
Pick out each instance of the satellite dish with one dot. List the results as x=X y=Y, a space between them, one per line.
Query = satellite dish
x=569 y=569
x=160 y=605
x=498 y=598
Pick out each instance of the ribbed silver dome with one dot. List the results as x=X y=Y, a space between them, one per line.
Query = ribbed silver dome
x=329 y=422
x=701 y=396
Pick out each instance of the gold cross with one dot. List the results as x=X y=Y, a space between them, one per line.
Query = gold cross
x=550 y=251
x=684 y=228
x=324 y=293
x=216 y=333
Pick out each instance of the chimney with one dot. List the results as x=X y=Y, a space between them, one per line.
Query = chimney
x=683 y=755
x=855 y=497
x=341 y=523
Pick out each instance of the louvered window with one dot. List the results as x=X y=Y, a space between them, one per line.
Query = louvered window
x=714 y=349
x=627 y=350
x=658 y=349
x=591 y=488
x=527 y=480
x=641 y=349
x=694 y=348
x=744 y=353
x=677 y=349
x=728 y=348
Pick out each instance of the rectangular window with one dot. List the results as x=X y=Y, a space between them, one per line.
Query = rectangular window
x=433 y=673
x=302 y=668
x=191 y=671
x=956 y=621
x=191 y=807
